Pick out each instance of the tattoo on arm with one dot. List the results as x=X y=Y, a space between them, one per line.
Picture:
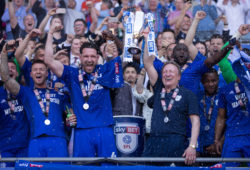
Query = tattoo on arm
x=9 y=83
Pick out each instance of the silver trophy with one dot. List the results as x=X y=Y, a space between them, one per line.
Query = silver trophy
x=138 y=26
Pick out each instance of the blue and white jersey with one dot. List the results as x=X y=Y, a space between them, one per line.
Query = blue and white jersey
x=99 y=113
x=239 y=59
x=14 y=126
x=191 y=76
x=206 y=136
x=53 y=81
x=37 y=118
x=238 y=119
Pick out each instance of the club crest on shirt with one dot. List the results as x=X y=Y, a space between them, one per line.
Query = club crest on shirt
x=58 y=86
x=178 y=98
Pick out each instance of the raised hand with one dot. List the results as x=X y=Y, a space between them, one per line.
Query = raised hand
x=34 y=33
x=244 y=29
x=200 y=15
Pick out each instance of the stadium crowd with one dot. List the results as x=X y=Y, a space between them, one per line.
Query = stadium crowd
x=69 y=66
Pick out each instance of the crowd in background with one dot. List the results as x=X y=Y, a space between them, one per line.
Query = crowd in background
x=82 y=43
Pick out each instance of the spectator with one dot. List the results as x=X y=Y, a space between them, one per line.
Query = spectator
x=206 y=26
x=142 y=94
x=123 y=101
x=20 y=13
x=168 y=37
x=235 y=11
x=71 y=15
x=159 y=13
x=17 y=31
x=173 y=16
x=183 y=24
x=104 y=11
x=75 y=52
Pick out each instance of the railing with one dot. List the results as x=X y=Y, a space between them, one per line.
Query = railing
x=123 y=160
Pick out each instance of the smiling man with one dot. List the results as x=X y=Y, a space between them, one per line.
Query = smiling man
x=44 y=108
x=28 y=22
x=89 y=86
x=173 y=104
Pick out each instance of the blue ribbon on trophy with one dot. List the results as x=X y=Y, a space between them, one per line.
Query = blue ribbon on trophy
x=128 y=25
x=152 y=49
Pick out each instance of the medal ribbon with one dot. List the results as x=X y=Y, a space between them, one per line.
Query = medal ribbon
x=86 y=94
x=210 y=110
x=171 y=103
x=184 y=67
x=239 y=97
x=10 y=102
x=39 y=99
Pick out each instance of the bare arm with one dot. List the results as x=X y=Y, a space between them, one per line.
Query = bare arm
x=45 y=21
x=149 y=66
x=181 y=17
x=9 y=83
x=191 y=33
x=13 y=19
x=217 y=57
x=94 y=18
x=55 y=66
x=219 y=129
x=19 y=54
x=140 y=81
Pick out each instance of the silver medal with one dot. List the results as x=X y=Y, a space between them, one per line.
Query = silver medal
x=207 y=127
x=166 y=119
x=85 y=106
x=47 y=122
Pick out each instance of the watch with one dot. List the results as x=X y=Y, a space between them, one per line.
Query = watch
x=192 y=146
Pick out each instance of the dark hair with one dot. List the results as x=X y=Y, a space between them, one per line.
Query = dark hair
x=89 y=45
x=168 y=30
x=109 y=3
x=210 y=71
x=186 y=15
x=215 y=36
x=39 y=47
x=56 y=16
x=203 y=43
x=173 y=63
x=37 y=61
x=12 y=61
x=81 y=20
x=132 y=64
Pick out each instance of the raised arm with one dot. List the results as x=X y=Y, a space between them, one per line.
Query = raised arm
x=149 y=66
x=55 y=66
x=10 y=84
x=45 y=21
x=191 y=33
x=13 y=19
x=217 y=57
x=181 y=17
x=94 y=18
x=19 y=54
